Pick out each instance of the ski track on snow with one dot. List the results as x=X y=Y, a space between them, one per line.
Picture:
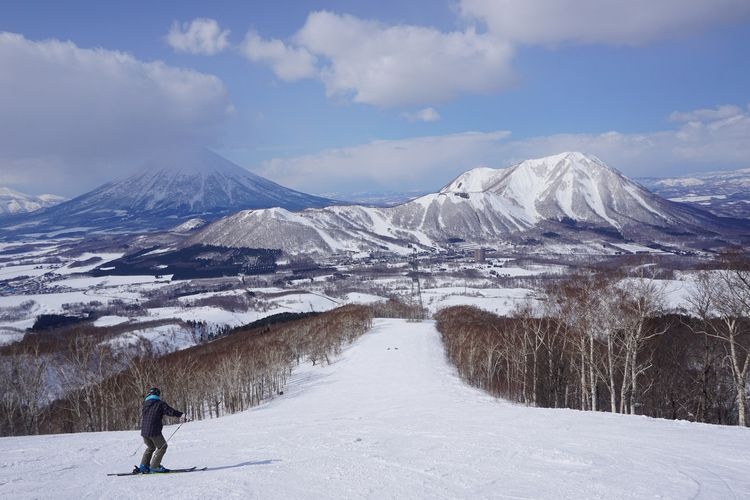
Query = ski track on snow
x=390 y=419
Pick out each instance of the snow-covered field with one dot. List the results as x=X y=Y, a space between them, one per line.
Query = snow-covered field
x=500 y=301
x=43 y=279
x=298 y=302
x=390 y=419
x=163 y=339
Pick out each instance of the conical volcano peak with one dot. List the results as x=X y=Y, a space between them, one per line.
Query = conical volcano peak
x=174 y=186
x=191 y=162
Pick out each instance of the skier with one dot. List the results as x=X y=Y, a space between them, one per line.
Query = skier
x=153 y=411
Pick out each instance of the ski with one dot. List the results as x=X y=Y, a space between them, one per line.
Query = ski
x=171 y=471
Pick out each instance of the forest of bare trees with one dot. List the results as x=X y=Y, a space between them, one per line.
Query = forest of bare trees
x=592 y=341
x=103 y=388
x=599 y=343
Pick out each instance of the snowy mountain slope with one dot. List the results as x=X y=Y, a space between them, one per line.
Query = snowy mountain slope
x=390 y=419
x=724 y=193
x=12 y=202
x=481 y=206
x=198 y=183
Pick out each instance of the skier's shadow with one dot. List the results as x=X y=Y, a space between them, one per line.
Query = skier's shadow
x=243 y=464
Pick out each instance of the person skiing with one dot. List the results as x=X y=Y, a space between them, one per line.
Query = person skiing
x=154 y=410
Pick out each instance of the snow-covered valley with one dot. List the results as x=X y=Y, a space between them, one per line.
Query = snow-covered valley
x=724 y=193
x=390 y=419
x=53 y=278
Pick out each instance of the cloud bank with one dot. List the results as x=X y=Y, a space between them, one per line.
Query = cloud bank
x=389 y=66
x=408 y=66
x=74 y=117
x=702 y=139
x=634 y=22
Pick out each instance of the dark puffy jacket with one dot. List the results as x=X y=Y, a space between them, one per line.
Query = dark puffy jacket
x=153 y=411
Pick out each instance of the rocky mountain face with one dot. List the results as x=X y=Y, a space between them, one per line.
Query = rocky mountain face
x=14 y=203
x=570 y=195
x=201 y=184
x=724 y=193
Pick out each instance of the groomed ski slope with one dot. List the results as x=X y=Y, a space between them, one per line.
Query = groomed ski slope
x=390 y=419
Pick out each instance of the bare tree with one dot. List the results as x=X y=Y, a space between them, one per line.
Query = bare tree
x=642 y=300
x=226 y=375
x=579 y=299
x=29 y=376
x=721 y=301
x=84 y=365
x=9 y=400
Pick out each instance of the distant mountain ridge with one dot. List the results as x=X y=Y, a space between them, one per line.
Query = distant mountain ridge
x=724 y=193
x=563 y=194
x=13 y=202
x=186 y=186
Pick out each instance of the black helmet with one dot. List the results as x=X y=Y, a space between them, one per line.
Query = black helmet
x=154 y=391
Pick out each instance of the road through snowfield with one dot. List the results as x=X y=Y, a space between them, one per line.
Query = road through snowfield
x=390 y=419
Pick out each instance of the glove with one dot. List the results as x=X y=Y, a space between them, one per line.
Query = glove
x=184 y=418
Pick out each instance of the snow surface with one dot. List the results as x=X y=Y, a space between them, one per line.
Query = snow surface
x=10 y=336
x=296 y=302
x=31 y=270
x=501 y=301
x=103 y=289
x=390 y=419
x=163 y=339
x=110 y=321
x=633 y=248
x=363 y=298
x=105 y=257
x=697 y=198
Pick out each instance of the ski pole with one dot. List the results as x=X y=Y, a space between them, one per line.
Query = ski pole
x=177 y=429
x=170 y=437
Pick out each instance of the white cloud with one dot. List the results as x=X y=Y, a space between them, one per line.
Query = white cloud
x=74 y=117
x=423 y=115
x=288 y=63
x=390 y=66
x=619 y=22
x=405 y=65
x=710 y=114
x=718 y=141
x=393 y=164
x=200 y=36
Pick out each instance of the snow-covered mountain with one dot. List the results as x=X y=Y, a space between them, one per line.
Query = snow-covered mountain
x=203 y=182
x=12 y=202
x=391 y=419
x=565 y=194
x=724 y=193
x=199 y=184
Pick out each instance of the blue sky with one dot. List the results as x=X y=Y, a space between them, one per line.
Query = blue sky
x=349 y=96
